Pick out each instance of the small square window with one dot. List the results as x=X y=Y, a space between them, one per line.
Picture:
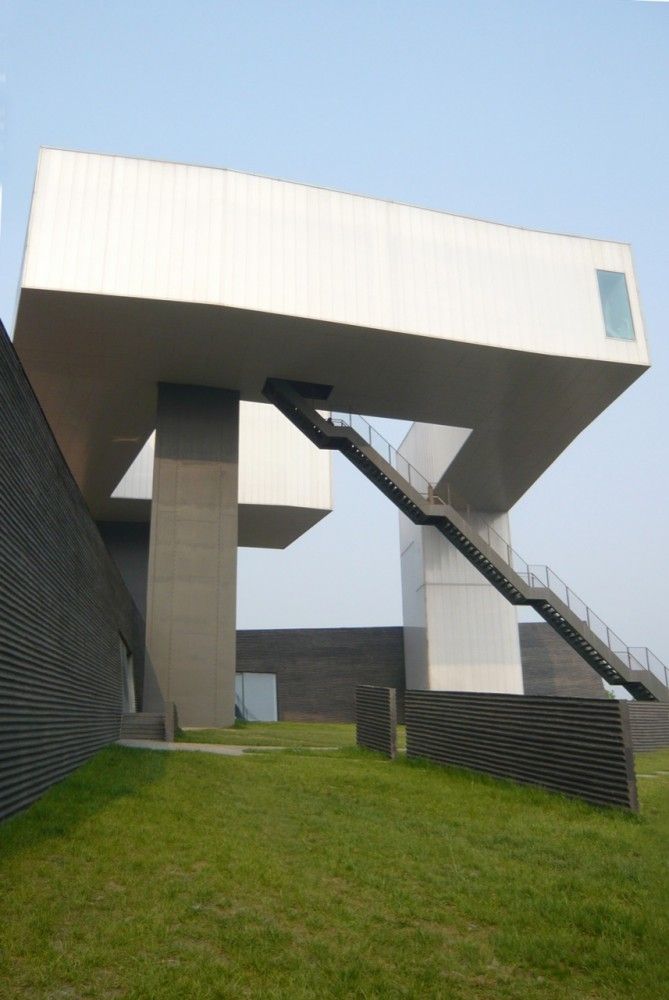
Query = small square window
x=615 y=305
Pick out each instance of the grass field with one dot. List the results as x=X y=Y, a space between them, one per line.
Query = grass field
x=157 y=876
x=275 y=734
x=281 y=734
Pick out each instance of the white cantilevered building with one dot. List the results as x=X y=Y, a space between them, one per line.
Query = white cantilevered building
x=160 y=296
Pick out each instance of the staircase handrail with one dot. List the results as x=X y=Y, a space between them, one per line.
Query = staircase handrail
x=388 y=452
x=540 y=577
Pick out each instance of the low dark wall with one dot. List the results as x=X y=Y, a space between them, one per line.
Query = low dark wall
x=577 y=746
x=649 y=723
x=376 y=719
x=551 y=667
x=317 y=670
x=63 y=608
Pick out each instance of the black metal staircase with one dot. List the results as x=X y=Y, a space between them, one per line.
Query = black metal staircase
x=639 y=671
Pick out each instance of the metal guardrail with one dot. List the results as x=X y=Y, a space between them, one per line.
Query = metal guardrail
x=536 y=576
x=388 y=453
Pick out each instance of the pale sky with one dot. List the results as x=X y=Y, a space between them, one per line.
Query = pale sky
x=540 y=114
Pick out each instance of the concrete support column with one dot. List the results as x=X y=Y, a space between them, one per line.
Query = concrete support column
x=192 y=579
x=460 y=633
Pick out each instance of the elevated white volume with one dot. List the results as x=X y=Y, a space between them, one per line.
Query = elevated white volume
x=112 y=225
x=139 y=272
x=278 y=468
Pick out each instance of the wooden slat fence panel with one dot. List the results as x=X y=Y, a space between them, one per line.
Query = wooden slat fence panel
x=376 y=719
x=577 y=746
x=649 y=723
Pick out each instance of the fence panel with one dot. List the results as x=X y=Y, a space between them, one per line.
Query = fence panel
x=649 y=723
x=376 y=718
x=577 y=746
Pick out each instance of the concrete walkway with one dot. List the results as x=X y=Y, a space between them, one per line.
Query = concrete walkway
x=218 y=748
x=221 y=749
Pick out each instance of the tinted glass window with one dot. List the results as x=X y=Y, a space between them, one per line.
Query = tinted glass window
x=615 y=305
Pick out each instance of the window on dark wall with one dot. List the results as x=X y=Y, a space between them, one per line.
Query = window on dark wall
x=615 y=305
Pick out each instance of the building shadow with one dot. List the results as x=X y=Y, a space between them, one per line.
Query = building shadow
x=113 y=773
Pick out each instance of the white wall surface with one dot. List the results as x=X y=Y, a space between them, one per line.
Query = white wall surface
x=461 y=634
x=278 y=466
x=431 y=448
x=143 y=228
x=414 y=607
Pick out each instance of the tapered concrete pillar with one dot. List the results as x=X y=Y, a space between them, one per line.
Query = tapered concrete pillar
x=192 y=579
x=460 y=634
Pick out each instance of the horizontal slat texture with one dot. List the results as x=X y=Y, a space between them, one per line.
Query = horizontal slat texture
x=551 y=667
x=578 y=746
x=143 y=726
x=649 y=724
x=63 y=607
x=317 y=669
x=376 y=719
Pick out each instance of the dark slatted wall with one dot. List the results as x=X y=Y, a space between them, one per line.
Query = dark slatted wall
x=62 y=607
x=376 y=719
x=577 y=746
x=317 y=669
x=552 y=667
x=649 y=723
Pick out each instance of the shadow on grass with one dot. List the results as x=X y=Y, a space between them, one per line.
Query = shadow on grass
x=114 y=772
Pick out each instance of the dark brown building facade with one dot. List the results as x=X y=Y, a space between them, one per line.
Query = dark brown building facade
x=317 y=670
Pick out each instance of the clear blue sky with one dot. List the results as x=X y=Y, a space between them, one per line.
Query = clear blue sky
x=551 y=115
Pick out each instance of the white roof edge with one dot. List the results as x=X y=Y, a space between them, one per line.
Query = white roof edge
x=351 y=194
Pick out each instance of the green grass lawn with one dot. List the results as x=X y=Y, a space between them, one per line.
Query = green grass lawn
x=281 y=734
x=158 y=876
x=653 y=761
x=276 y=734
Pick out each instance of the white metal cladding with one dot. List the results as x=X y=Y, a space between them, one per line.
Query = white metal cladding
x=278 y=466
x=414 y=609
x=129 y=227
x=460 y=633
x=139 y=272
